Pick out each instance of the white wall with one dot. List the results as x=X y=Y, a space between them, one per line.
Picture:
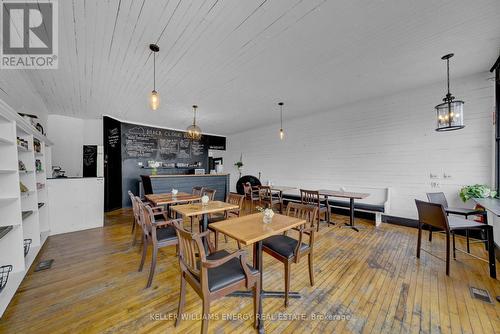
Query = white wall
x=69 y=134
x=388 y=142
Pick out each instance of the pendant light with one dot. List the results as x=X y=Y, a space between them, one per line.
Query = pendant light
x=194 y=131
x=282 y=133
x=154 y=97
x=450 y=114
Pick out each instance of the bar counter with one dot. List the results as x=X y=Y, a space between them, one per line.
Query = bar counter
x=155 y=184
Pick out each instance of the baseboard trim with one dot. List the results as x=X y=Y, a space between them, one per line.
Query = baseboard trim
x=408 y=222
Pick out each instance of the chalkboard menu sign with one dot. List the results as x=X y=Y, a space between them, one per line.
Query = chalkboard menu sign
x=89 y=160
x=170 y=148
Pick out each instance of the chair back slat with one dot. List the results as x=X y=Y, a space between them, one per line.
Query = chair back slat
x=235 y=198
x=190 y=246
x=438 y=198
x=147 y=218
x=135 y=206
x=210 y=193
x=249 y=191
x=309 y=197
x=198 y=191
x=432 y=214
x=302 y=211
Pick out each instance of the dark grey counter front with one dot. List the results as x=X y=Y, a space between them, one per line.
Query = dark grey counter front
x=165 y=183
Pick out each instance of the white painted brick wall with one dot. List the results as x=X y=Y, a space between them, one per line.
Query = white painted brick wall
x=388 y=142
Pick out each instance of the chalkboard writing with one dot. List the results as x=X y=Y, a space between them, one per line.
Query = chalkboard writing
x=113 y=137
x=89 y=160
x=166 y=146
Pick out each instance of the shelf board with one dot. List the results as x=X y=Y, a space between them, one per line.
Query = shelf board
x=25 y=171
x=6 y=141
x=4 y=230
x=26 y=214
x=7 y=171
x=23 y=149
x=26 y=194
x=7 y=199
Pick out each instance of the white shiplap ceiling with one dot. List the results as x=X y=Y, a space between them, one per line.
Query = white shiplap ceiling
x=237 y=59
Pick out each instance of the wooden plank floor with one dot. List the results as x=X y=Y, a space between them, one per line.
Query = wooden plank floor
x=366 y=282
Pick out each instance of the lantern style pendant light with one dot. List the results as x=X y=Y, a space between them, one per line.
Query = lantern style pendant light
x=450 y=114
x=282 y=133
x=194 y=131
x=154 y=97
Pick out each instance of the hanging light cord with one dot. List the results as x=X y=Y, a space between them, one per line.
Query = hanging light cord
x=154 y=71
x=281 y=116
x=448 y=73
x=194 y=115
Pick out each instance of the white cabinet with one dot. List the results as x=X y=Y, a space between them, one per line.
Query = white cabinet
x=75 y=204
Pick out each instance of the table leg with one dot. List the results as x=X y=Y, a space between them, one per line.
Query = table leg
x=258 y=262
x=491 y=251
x=204 y=227
x=351 y=216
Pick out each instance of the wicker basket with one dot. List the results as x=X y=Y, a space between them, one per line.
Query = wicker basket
x=4 y=275
x=27 y=244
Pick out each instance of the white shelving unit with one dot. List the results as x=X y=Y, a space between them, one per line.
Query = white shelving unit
x=34 y=223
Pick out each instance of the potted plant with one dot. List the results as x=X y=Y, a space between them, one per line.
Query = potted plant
x=239 y=164
x=476 y=191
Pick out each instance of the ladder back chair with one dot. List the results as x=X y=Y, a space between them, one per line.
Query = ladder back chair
x=214 y=275
x=270 y=198
x=157 y=233
x=251 y=194
x=312 y=198
x=232 y=198
x=289 y=250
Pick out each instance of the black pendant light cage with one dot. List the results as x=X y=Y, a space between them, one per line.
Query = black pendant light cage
x=450 y=113
x=4 y=275
x=193 y=131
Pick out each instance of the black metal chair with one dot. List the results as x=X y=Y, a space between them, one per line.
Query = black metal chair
x=434 y=215
x=440 y=198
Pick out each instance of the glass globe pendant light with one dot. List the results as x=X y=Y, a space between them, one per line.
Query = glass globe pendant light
x=282 y=133
x=154 y=97
x=450 y=114
x=194 y=131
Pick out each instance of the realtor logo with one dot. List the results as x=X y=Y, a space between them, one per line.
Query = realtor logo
x=29 y=34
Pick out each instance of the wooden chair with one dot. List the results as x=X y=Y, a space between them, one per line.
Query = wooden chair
x=270 y=198
x=440 y=198
x=214 y=275
x=157 y=233
x=210 y=193
x=136 y=216
x=434 y=215
x=312 y=198
x=251 y=194
x=198 y=191
x=289 y=250
x=232 y=198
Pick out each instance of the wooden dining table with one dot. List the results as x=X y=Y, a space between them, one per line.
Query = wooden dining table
x=344 y=194
x=169 y=198
x=204 y=210
x=251 y=230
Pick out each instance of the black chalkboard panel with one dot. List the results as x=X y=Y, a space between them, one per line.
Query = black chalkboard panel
x=176 y=154
x=112 y=164
x=169 y=147
x=216 y=143
x=89 y=160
